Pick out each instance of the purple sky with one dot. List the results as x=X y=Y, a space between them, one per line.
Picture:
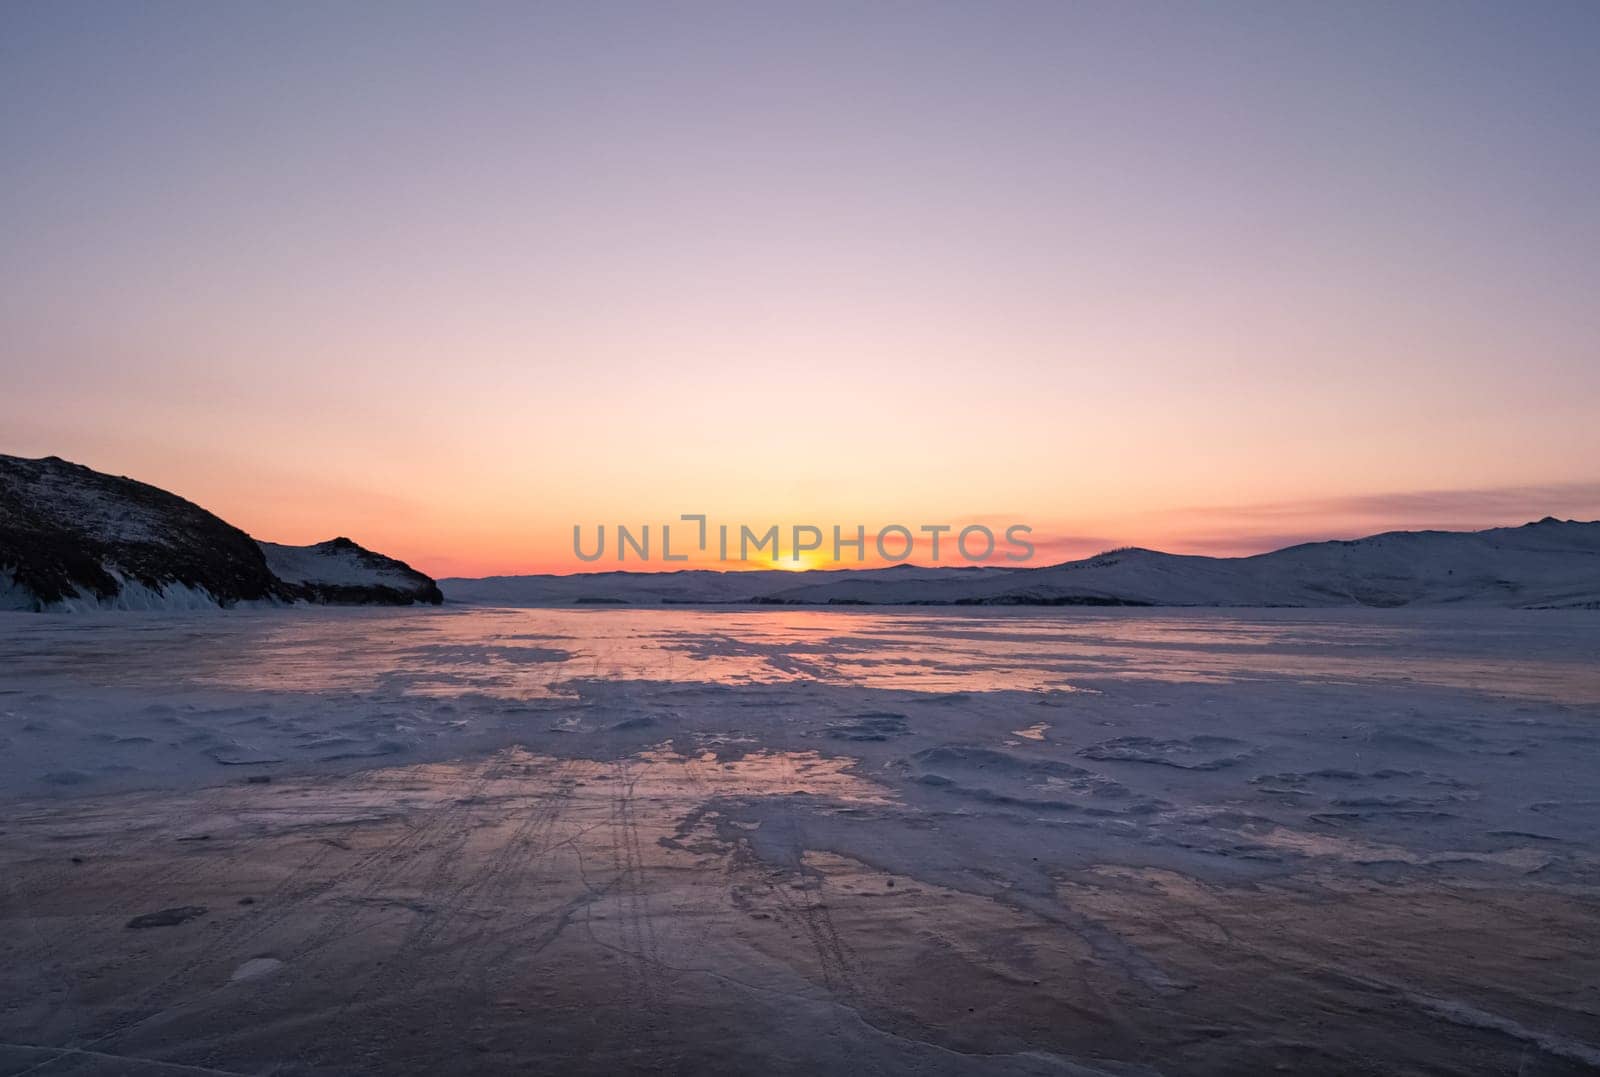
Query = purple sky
x=453 y=278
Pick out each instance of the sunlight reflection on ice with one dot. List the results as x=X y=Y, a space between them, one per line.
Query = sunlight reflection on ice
x=533 y=653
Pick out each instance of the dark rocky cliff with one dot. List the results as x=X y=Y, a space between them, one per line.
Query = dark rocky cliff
x=68 y=532
x=74 y=538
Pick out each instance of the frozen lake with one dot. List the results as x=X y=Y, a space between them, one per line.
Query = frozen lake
x=523 y=653
x=629 y=840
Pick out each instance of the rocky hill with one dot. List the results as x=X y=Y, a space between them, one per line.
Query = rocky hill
x=72 y=538
x=338 y=571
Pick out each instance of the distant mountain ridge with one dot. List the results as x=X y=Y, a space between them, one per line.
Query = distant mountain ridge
x=72 y=538
x=1546 y=564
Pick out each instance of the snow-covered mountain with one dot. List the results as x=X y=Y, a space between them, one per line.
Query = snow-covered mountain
x=691 y=586
x=1551 y=563
x=72 y=538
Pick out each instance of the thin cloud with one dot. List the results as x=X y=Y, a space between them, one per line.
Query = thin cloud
x=1482 y=507
x=1241 y=530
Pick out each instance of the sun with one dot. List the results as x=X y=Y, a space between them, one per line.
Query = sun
x=806 y=562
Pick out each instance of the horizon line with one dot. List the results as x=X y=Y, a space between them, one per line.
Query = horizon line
x=802 y=569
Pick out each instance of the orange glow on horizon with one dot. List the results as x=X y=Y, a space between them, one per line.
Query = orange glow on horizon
x=1217 y=533
x=1156 y=276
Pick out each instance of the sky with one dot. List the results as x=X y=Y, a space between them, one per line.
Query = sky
x=451 y=279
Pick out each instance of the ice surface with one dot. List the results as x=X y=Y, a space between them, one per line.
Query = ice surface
x=1023 y=841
